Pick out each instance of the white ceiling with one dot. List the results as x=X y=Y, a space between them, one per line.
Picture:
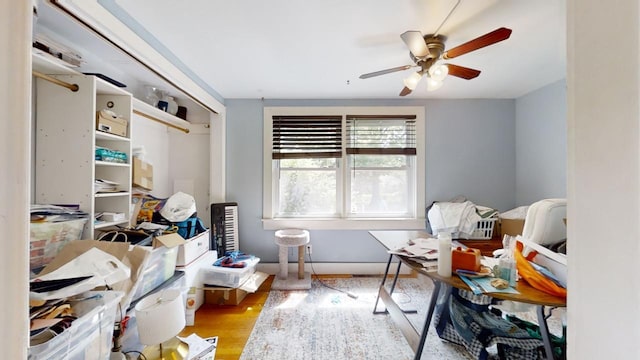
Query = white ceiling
x=316 y=49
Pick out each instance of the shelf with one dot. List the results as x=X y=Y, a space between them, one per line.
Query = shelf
x=108 y=163
x=159 y=115
x=50 y=65
x=111 y=194
x=47 y=64
x=102 y=225
x=101 y=135
x=104 y=87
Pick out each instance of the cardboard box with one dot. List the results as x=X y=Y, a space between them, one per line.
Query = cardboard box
x=111 y=124
x=511 y=227
x=169 y=240
x=142 y=174
x=193 y=248
x=224 y=297
x=233 y=296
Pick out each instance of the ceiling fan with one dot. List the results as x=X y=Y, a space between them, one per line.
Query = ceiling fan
x=428 y=53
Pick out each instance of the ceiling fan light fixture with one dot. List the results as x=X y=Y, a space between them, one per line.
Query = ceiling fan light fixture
x=433 y=84
x=412 y=81
x=439 y=71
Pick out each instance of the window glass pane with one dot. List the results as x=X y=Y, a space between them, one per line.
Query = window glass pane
x=307 y=192
x=308 y=163
x=380 y=184
x=380 y=161
x=379 y=192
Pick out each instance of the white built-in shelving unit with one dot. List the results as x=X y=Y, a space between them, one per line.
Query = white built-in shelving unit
x=66 y=140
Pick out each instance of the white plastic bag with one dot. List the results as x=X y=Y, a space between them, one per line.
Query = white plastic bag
x=104 y=269
x=179 y=207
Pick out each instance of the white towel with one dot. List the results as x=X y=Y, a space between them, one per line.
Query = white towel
x=453 y=218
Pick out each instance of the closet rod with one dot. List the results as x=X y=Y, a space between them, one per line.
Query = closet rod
x=72 y=87
x=185 y=130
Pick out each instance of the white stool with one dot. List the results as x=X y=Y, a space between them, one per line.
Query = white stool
x=284 y=281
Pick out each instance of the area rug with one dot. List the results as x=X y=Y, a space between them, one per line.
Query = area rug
x=323 y=323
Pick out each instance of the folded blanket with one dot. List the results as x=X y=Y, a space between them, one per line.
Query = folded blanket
x=486 y=212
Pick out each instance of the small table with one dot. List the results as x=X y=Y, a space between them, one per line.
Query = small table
x=396 y=239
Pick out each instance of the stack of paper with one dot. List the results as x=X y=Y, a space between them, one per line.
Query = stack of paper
x=55 y=213
x=102 y=186
x=421 y=250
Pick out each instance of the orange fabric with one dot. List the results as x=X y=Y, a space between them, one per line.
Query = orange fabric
x=533 y=277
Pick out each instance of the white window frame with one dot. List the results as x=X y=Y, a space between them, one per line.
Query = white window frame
x=269 y=196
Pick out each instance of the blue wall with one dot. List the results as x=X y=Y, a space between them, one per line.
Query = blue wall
x=471 y=151
x=541 y=144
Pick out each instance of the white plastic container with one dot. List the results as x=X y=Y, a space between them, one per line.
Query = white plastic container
x=444 y=254
x=228 y=277
x=159 y=267
x=89 y=336
x=48 y=238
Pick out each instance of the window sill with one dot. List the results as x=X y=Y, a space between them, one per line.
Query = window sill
x=343 y=224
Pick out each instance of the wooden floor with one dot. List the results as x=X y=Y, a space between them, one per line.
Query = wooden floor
x=231 y=324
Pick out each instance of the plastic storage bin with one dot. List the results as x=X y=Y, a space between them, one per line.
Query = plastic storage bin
x=228 y=277
x=48 y=238
x=89 y=336
x=158 y=268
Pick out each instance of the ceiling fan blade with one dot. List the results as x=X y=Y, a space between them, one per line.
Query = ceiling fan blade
x=478 y=43
x=406 y=91
x=386 y=71
x=415 y=42
x=463 y=72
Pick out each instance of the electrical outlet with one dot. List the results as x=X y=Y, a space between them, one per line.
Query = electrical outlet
x=309 y=249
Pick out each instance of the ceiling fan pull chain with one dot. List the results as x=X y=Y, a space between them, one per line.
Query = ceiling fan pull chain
x=447 y=18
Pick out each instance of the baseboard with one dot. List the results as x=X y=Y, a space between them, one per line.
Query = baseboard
x=335 y=268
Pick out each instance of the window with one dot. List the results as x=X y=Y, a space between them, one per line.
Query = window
x=306 y=153
x=326 y=168
x=381 y=152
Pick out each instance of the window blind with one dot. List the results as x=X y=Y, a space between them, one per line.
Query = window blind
x=298 y=137
x=381 y=134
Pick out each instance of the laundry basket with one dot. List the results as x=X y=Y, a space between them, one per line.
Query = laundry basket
x=483 y=230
